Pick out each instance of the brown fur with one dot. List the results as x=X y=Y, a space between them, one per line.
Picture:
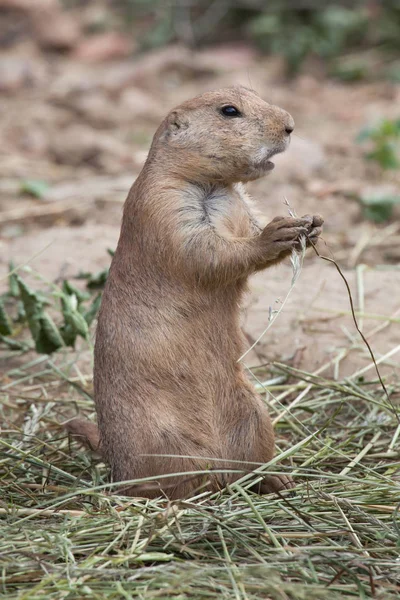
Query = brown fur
x=166 y=376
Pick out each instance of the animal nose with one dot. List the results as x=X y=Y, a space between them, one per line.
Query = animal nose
x=289 y=129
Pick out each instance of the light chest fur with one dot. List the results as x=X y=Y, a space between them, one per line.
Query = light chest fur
x=227 y=210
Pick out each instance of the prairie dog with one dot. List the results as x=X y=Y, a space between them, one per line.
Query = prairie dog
x=170 y=394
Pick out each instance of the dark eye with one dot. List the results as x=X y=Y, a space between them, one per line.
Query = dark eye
x=230 y=111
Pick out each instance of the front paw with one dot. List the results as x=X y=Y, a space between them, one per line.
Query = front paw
x=283 y=235
x=315 y=229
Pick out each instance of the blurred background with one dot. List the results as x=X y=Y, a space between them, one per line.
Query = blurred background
x=84 y=84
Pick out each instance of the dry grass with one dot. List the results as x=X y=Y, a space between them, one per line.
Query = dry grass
x=66 y=534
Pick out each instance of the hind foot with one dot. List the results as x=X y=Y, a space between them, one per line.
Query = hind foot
x=275 y=483
x=84 y=432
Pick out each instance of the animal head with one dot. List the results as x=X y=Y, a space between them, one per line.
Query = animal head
x=227 y=135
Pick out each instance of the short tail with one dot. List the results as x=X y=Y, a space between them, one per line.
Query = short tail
x=84 y=432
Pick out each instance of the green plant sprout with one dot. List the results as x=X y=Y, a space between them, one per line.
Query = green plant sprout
x=385 y=141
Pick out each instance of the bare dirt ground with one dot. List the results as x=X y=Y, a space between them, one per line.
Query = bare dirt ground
x=84 y=127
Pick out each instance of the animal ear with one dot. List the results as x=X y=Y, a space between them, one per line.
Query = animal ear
x=177 y=122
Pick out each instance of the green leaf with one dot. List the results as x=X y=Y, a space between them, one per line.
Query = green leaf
x=71 y=290
x=385 y=155
x=45 y=334
x=98 y=280
x=378 y=207
x=384 y=143
x=389 y=128
x=338 y=27
x=349 y=70
x=93 y=309
x=68 y=335
x=74 y=322
x=21 y=314
x=264 y=25
x=5 y=323
x=379 y=213
x=49 y=339
x=34 y=187
x=12 y=281
x=298 y=47
x=33 y=307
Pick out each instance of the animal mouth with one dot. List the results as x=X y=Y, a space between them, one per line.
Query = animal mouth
x=264 y=163
x=268 y=165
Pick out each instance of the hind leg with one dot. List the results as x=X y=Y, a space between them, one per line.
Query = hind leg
x=163 y=481
x=169 y=460
x=252 y=439
x=127 y=457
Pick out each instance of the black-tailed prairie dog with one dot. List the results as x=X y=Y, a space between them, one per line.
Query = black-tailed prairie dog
x=171 y=396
